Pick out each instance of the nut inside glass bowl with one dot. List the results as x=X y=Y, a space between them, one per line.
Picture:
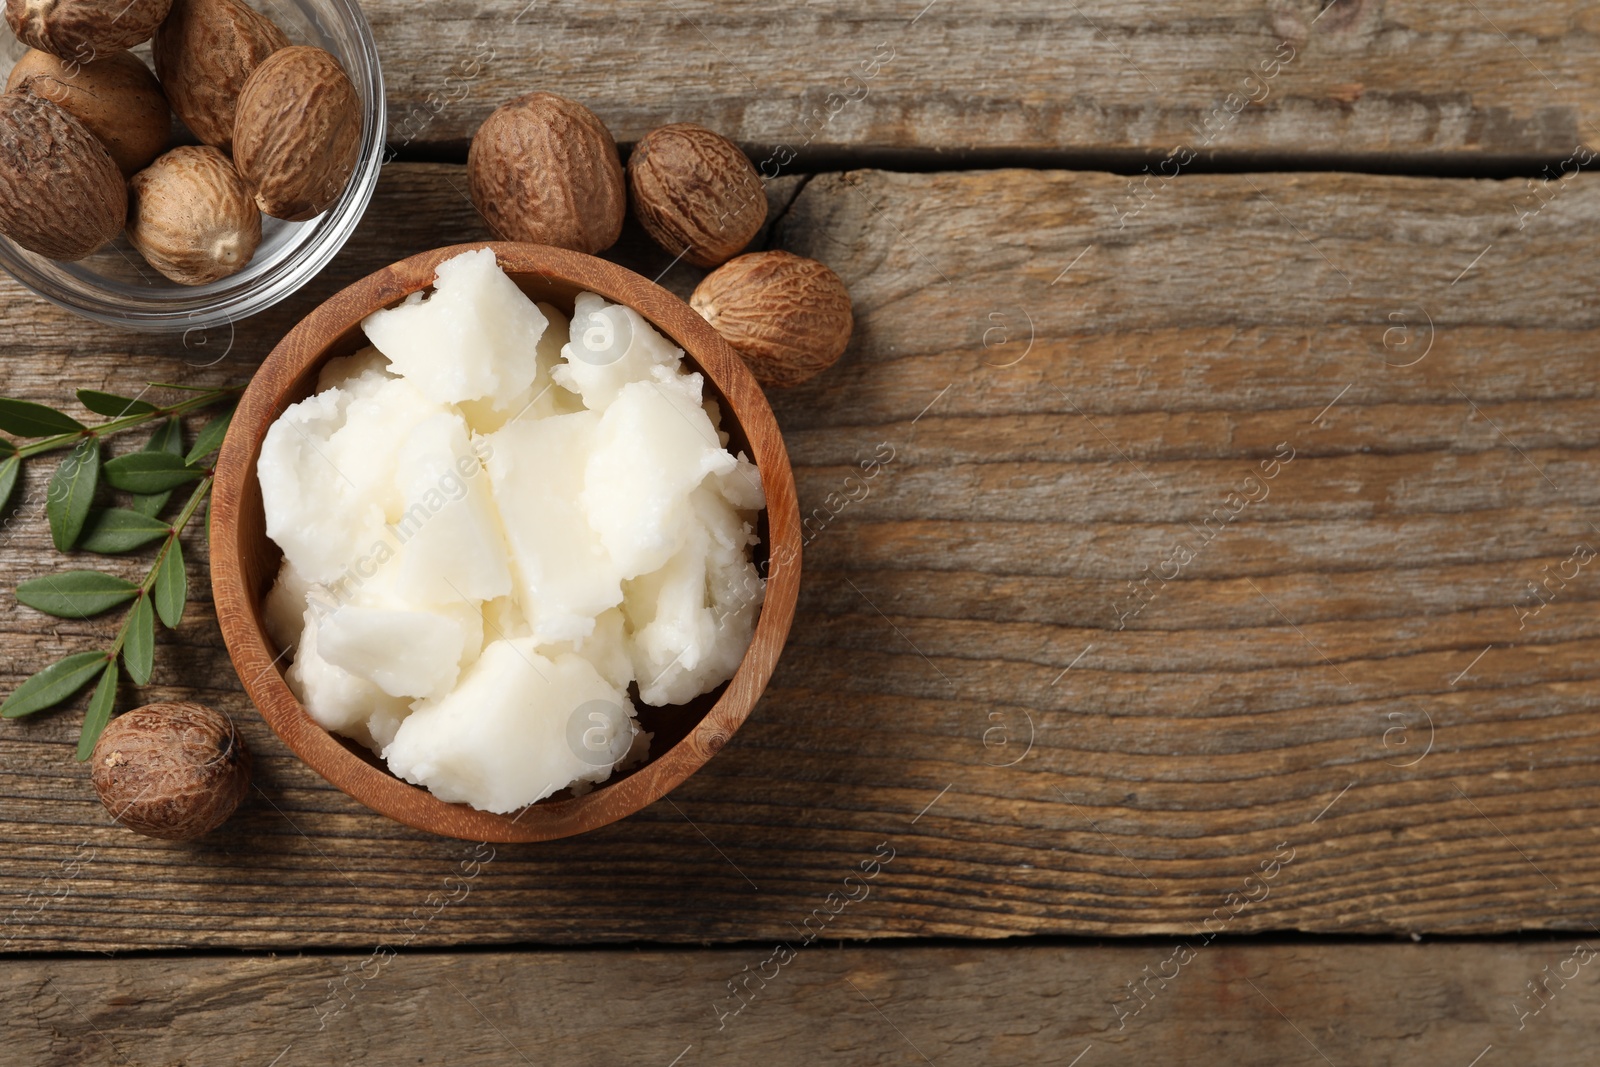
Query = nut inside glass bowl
x=116 y=286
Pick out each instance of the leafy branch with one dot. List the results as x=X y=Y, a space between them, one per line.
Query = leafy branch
x=149 y=477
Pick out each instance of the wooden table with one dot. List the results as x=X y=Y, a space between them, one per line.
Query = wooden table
x=1237 y=362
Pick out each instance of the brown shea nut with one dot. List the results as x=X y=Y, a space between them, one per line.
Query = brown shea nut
x=84 y=30
x=171 y=770
x=695 y=193
x=298 y=132
x=116 y=97
x=205 y=51
x=61 y=194
x=544 y=169
x=192 y=217
x=788 y=316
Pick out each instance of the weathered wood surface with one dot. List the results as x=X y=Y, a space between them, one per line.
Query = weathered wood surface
x=1309 y=1005
x=1273 y=701
x=1387 y=81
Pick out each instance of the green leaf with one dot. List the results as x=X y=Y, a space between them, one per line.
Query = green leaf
x=113 y=530
x=27 y=419
x=150 y=504
x=167 y=438
x=7 y=448
x=76 y=594
x=71 y=489
x=113 y=406
x=210 y=438
x=99 y=713
x=10 y=467
x=171 y=590
x=149 y=472
x=53 y=684
x=139 y=647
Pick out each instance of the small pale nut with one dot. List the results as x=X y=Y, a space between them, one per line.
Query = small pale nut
x=115 y=96
x=192 y=217
x=695 y=193
x=788 y=316
x=298 y=133
x=545 y=169
x=61 y=194
x=204 y=53
x=83 y=30
x=173 y=771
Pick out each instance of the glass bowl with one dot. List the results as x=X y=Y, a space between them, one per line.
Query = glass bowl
x=116 y=286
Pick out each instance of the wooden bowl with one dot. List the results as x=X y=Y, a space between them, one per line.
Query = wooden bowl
x=244 y=562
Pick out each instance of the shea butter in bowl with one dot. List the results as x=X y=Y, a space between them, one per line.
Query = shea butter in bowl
x=535 y=525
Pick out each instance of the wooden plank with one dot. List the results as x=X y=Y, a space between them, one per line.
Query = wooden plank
x=968 y=682
x=1351 y=79
x=1281 y=1005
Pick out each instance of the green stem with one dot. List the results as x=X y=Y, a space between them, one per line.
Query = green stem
x=127 y=422
x=182 y=520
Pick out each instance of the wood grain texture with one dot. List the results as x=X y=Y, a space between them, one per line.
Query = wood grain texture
x=1390 y=1005
x=244 y=561
x=1387 y=81
x=957 y=687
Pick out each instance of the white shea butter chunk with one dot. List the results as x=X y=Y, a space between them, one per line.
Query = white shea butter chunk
x=319 y=520
x=453 y=546
x=693 y=619
x=607 y=647
x=542 y=398
x=407 y=654
x=474 y=336
x=503 y=618
x=517 y=728
x=564 y=575
x=382 y=727
x=359 y=374
x=335 y=698
x=364 y=452
x=654 y=446
x=741 y=486
x=608 y=347
x=284 y=609
x=375 y=583
x=327 y=473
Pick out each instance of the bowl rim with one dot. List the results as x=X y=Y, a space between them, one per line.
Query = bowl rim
x=239 y=614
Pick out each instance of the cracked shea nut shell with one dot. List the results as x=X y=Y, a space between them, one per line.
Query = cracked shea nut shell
x=788 y=316
x=171 y=770
x=84 y=29
x=61 y=194
x=544 y=169
x=192 y=217
x=695 y=192
x=204 y=53
x=298 y=133
x=116 y=97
